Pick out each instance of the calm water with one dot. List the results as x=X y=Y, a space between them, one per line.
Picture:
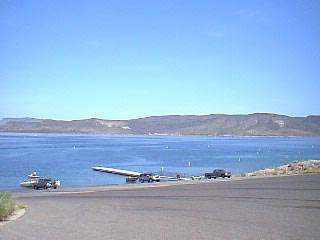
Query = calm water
x=70 y=157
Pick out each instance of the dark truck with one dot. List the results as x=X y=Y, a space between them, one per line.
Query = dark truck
x=45 y=183
x=42 y=183
x=218 y=173
x=144 y=177
x=149 y=177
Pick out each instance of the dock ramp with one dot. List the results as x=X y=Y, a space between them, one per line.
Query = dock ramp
x=117 y=171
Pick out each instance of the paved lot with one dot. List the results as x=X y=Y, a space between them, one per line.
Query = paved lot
x=265 y=208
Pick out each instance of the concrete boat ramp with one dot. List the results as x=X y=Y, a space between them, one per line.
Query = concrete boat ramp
x=283 y=208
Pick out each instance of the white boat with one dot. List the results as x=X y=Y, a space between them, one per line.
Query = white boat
x=172 y=179
x=27 y=183
x=33 y=175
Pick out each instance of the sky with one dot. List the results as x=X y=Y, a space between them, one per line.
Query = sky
x=129 y=59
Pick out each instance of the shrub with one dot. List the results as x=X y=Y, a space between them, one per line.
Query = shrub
x=7 y=205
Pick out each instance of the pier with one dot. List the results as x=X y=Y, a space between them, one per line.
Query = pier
x=117 y=171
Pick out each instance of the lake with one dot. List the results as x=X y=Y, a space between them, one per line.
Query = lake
x=70 y=157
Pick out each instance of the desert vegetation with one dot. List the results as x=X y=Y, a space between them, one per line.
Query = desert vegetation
x=7 y=205
x=296 y=167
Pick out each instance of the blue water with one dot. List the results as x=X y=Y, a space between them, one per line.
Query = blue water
x=70 y=157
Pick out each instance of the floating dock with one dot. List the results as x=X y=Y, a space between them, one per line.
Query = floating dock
x=117 y=171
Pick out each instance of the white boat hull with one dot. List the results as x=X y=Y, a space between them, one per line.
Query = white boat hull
x=27 y=183
x=33 y=176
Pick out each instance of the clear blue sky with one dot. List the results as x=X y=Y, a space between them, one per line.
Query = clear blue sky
x=127 y=59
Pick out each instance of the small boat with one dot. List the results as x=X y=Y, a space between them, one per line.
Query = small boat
x=41 y=183
x=172 y=179
x=196 y=178
x=28 y=183
x=33 y=175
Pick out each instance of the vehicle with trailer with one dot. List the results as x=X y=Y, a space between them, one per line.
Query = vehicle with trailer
x=46 y=183
x=149 y=177
x=217 y=173
x=132 y=179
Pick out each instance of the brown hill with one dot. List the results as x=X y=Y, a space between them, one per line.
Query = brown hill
x=257 y=124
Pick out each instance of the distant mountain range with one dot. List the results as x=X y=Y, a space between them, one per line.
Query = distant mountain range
x=256 y=124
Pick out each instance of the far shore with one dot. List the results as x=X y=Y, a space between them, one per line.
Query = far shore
x=36 y=133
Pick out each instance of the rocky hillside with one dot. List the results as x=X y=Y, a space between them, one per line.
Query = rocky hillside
x=257 y=124
x=297 y=167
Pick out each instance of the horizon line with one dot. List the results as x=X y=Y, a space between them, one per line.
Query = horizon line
x=165 y=115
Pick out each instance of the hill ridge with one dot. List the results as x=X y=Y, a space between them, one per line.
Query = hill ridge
x=253 y=124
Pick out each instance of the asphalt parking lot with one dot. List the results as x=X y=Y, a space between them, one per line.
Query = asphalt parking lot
x=263 y=208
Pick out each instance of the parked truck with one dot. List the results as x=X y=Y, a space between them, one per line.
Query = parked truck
x=217 y=173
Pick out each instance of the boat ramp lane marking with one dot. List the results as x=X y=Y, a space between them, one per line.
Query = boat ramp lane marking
x=116 y=171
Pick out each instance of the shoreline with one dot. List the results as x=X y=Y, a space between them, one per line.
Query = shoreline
x=139 y=186
x=305 y=167
x=155 y=135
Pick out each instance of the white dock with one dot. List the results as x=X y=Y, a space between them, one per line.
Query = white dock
x=117 y=171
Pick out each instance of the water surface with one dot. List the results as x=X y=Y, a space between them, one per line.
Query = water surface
x=70 y=157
